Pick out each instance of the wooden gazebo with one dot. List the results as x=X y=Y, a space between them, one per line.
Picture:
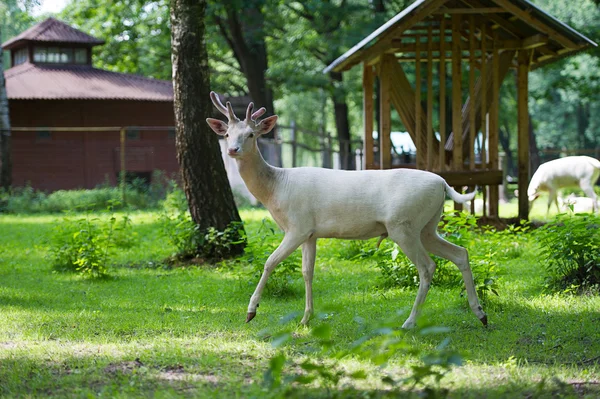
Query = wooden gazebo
x=484 y=38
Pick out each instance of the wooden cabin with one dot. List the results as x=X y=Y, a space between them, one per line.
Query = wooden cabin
x=468 y=48
x=76 y=126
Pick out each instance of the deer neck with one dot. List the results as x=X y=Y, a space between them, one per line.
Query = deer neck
x=259 y=176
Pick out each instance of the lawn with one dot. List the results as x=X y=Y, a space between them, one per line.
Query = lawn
x=154 y=330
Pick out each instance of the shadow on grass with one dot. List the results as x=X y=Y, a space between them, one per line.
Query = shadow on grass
x=209 y=374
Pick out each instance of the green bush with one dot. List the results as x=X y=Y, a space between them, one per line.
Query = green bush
x=570 y=247
x=138 y=195
x=384 y=342
x=178 y=227
x=82 y=246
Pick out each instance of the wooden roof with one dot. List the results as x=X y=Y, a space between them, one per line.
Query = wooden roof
x=61 y=82
x=518 y=24
x=52 y=31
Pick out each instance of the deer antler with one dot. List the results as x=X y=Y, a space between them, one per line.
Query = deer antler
x=258 y=113
x=249 y=112
x=227 y=111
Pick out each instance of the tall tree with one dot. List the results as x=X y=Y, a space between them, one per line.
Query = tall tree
x=5 y=147
x=242 y=25
x=204 y=178
x=136 y=33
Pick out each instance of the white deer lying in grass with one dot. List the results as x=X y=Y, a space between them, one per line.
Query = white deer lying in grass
x=565 y=172
x=310 y=203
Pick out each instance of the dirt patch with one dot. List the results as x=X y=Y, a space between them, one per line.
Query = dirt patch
x=178 y=373
x=123 y=367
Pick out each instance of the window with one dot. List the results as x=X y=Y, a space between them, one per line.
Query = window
x=40 y=54
x=60 y=55
x=80 y=56
x=53 y=55
x=20 y=56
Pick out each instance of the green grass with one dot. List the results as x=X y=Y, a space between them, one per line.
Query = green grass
x=154 y=331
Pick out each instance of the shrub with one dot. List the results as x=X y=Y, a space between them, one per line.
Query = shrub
x=385 y=342
x=178 y=227
x=82 y=246
x=570 y=247
x=138 y=195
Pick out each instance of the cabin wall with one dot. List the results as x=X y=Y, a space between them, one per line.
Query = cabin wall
x=68 y=160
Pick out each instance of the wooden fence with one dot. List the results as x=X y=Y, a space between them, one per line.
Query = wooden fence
x=303 y=147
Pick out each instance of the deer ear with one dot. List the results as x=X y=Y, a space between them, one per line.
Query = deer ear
x=267 y=124
x=219 y=127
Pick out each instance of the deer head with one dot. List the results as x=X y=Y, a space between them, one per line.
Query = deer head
x=241 y=135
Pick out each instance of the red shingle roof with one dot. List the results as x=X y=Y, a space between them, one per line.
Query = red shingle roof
x=60 y=82
x=52 y=30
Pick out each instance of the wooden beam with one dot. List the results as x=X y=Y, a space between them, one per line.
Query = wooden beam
x=403 y=98
x=530 y=42
x=483 y=102
x=421 y=154
x=368 y=81
x=527 y=17
x=506 y=59
x=472 y=178
x=493 y=125
x=481 y=10
x=442 y=150
x=457 y=155
x=472 y=105
x=524 y=59
x=384 y=40
x=429 y=129
x=385 y=114
x=506 y=25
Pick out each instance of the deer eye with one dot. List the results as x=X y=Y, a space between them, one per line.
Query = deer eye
x=251 y=135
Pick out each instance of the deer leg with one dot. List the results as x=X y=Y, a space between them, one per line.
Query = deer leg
x=588 y=189
x=309 y=251
x=290 y=242
x=414 y=250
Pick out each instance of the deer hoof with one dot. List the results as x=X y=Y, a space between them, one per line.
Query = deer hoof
x=250 y=316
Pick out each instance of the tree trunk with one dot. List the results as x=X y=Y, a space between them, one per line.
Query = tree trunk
x=341 y=122
x=504 y=138
x=583 y=121
x=205 y=181
x=5 y=136
x=244 y=32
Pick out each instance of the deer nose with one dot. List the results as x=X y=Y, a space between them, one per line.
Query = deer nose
x=233 y=150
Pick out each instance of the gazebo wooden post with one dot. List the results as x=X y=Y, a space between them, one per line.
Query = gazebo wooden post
x=430 y=160
x=484 y=127
x=442 y=112
x=456 y=94
x=457 y=151
x=368 y=81
x=385 y=113
x=418 y=109
x=524 y=60
x=493 y=125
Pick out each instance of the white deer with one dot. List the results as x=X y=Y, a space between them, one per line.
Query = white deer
x=564 y=172
x=311 y=203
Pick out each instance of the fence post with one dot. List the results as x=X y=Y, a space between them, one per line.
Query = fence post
x=123 y=171
x=293 y=141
